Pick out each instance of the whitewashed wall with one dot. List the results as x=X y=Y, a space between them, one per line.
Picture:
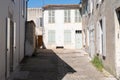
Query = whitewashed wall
x=15 y=8
x=59 y=26
x=35 y=14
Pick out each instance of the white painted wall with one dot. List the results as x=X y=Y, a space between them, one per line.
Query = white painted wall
x=14 y=8
x=117 y=44
x=35 y=14
x=59 y=26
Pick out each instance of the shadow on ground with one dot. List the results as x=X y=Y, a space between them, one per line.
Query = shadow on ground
x=44 y=65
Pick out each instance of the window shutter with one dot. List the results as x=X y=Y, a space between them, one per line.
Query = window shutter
x=51 y=36
x=67 y=36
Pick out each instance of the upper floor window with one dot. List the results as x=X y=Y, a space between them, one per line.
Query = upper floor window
x=77 y=16
x=85 y=8
x=51 y=14
x=67 y=18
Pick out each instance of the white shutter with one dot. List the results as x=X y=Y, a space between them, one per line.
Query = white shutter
x=88 y=6
x=98 y=38
x=91 y=6
x=14 y=44
x=51 y=36
x=67 y=36
x=14 y=35
x=8 y=46
x=104 y=36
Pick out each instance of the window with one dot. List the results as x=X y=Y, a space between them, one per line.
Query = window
x=67 y=14
x=77 y=16
x=51 y=15
x=90 y=6
x=51 y=36
x=67 y=36
x=84 y=8
x=41 y=22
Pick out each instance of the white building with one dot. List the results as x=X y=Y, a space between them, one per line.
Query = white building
x=35 y=14
x=62 y=26
x=12 y=31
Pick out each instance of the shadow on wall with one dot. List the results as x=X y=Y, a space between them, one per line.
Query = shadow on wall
x=45 y=65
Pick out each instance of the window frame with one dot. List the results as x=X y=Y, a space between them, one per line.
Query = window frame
x=77 y=16
x=67 y=40
x=51 y=16
x=50 y=40
x=67 y=16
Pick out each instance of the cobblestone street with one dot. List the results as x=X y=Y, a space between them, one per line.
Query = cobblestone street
x=58 y=65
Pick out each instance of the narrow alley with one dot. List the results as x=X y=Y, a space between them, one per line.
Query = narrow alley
x=58 y=65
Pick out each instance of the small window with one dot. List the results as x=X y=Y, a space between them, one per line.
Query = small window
x=41 y=22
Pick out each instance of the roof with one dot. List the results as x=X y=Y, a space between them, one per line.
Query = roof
x=34 y=8
x=62 y=6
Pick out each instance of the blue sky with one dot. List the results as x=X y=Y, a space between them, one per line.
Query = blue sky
x=40 y=3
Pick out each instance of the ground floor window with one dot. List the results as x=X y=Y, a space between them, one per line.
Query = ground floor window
x=67 y=36
x=51 y=36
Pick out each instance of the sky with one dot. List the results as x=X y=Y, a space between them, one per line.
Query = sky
x=40 y=3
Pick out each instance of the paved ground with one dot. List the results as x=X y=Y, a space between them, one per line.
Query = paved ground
x=58 y=65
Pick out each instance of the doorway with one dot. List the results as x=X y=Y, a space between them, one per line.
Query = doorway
x=10 y=46
x=78 y=39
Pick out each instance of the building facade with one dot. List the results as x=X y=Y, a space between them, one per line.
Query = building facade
x=12 y=30
x=62 y=26
x=36 y=14
x=101 y=32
